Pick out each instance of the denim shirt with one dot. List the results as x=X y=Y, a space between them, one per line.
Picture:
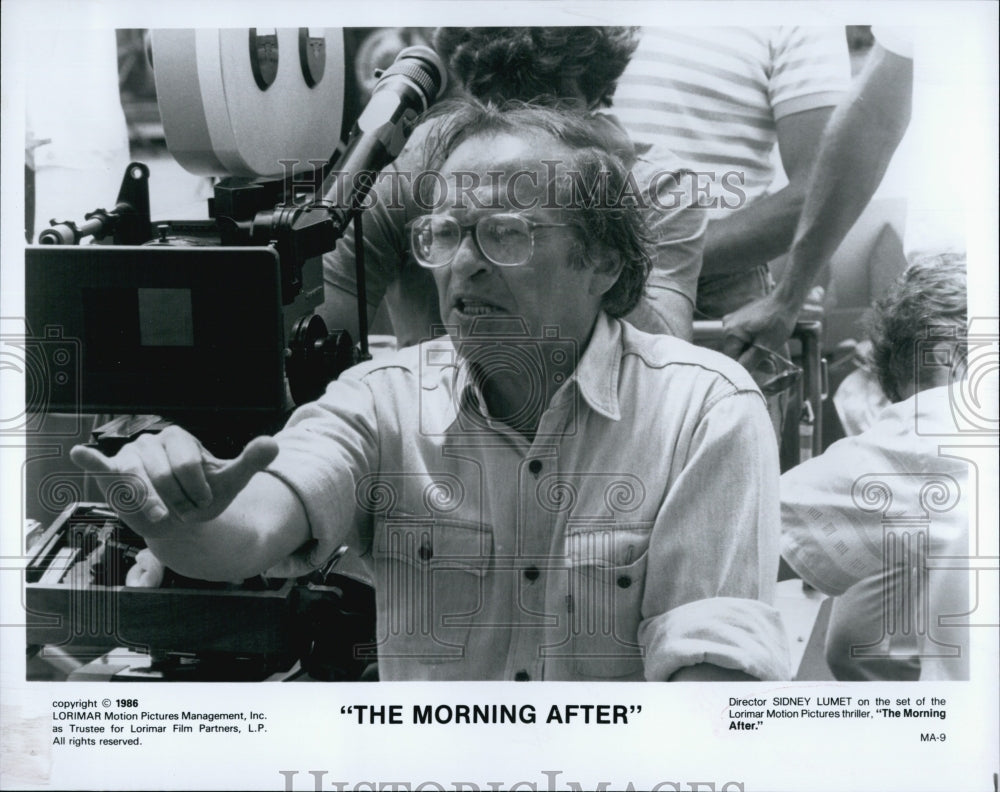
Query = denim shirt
x=635 y=534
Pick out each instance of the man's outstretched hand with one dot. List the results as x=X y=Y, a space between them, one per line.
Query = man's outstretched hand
x=757 y=327
x=183 y=482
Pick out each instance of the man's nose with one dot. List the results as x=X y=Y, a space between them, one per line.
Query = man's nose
x=469 y=260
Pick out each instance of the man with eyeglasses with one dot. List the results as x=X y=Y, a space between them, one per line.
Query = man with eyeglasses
x=543 y=491
x=576 y=66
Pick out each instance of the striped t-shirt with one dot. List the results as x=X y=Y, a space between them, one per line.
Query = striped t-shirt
x=712 y=96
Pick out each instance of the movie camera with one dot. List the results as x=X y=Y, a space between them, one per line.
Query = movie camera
x=209 y=323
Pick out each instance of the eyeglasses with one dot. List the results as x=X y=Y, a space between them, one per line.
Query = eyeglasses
x=775 y=373
x=506 y=240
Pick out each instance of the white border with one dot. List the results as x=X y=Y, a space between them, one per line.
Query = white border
x=680 y=736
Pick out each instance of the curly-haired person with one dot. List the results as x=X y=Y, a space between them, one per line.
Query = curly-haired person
x=868 y=520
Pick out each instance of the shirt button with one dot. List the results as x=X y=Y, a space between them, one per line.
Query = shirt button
x=531 y=573
x=521 y=676
x=535 y=466
x=624 y=581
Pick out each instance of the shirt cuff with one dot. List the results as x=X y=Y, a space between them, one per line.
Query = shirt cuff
x=898 y=41
x=813 y=101
x=741 y=634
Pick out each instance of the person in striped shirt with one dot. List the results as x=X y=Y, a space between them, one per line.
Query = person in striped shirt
x=725 y=99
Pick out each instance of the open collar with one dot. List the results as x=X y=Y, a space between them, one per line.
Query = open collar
x=595 y=376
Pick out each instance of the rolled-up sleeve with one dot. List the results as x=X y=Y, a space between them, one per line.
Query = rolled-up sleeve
x=725 y=631
x=714 y=549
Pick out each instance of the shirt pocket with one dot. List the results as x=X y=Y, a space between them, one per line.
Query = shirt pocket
x=607 y=577
x=430 y=586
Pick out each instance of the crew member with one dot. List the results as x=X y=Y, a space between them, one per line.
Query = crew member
x=862 y=520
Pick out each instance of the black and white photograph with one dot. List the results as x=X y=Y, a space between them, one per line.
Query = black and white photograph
x=280 y=404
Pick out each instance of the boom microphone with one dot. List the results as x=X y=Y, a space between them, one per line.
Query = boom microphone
x=407 y=88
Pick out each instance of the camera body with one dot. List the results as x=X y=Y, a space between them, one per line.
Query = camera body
x=78 y=601
x=200 y=321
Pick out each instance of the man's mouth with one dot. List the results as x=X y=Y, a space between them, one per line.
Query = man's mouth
x=473 y=307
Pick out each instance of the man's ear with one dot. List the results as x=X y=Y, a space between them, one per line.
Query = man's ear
x=605 y=272
x=941 y=363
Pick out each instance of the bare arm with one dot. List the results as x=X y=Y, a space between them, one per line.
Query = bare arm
x=339 y=308
x=853 y=156
x=764 y=229
x=390 y=205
